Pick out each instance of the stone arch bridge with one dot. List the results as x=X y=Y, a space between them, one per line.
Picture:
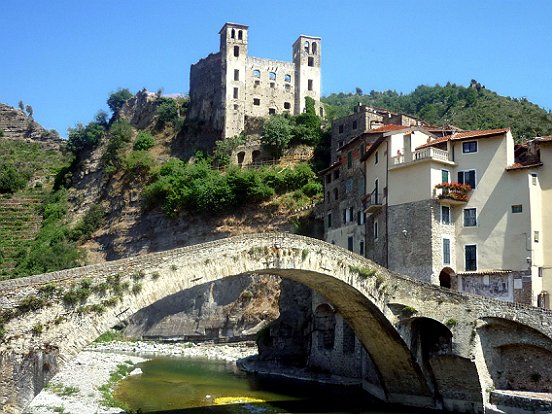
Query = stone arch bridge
x=430 y=347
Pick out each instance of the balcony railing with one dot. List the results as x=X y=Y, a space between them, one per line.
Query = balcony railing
x=453 y=193
x=373 y=201
x=422 y=154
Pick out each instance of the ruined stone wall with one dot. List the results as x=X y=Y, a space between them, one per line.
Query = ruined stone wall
x=206 y=92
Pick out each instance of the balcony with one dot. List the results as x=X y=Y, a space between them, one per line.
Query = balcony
x=423 y=154
x=373 y=202
x=452 y=193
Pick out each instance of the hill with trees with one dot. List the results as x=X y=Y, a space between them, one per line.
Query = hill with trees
x=472 y=107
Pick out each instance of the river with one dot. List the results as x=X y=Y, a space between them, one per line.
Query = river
x=195 y=385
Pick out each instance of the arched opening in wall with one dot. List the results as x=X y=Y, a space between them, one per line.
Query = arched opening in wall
x=233 y=34
x=287 y=78
x=447 y=278
x=256 y=156
x=272 y=75
x=314 y=48
x=256 y=73
x=324 y=325
x=430 y=338
x=240 y=35
x=241 y=157
x=306 y=46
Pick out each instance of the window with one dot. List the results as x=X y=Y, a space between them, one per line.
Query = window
x=336 y=174
x=240 y=35
x=306 y=46
x=536 y=236
x=287 y=87
x=314 y=47
x=470 y=146
x=518 y=208
x=287 y=78
x=329 y=220
x=361 y=217
x=272 y=85
x=445 y=215
x=236 y=93
x=336 y=194
x=376 y=158
x=236 y=51
x=350 y=243
x=236 y=107
x=233 y=34
x=271 y=111
x=256 y=101
x=341 y=129
x=257 y=83
x=375 y=230
x=287 y=105
x=349 y=185
x=256 y=73
x=361 y=248
x=311 y=61
x=446 y=251
x=236 y=74
x=470 y=252
x=534 y=178
x=467 y=177
x=310 y=85
x=272 y=75
x=350 y=159
x=355 y=124
x=469 y=217
x=445 y=176
x=348 y=214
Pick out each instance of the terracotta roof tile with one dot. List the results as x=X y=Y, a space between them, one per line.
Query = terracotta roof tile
x=520 y=166
x=466 y=135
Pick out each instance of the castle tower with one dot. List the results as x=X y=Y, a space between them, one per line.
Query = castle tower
x=306 y=57
x=233 y=50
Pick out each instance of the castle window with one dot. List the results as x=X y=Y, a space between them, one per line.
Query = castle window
x=287 y=78
x=314 y=47
x=311 y=61
x=287 y=105
x=236 y=94
x=355 y=124
x=236 y=51
x=256 y=73
x=256 y=101
x=272 y=85
x=236 y=107
x=271 y=111
x=240 y=35
x=306 y=46
x=287 y=87
x=272 y=75
x=236 y=74
x=233 y=34
x=310 y=85
x=321 y=112
x=257 y=83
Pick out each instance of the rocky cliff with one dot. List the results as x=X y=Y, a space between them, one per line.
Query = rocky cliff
x=15 y=124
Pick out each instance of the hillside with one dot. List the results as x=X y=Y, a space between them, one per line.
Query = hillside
x=472 y=107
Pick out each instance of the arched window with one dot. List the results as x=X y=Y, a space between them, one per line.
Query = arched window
x=241 y=157
x=240 y=35
x=272 y=75
x=256 y=73
x=233 y=34
x=306 y=46
x=287 y=78
x=314 y=47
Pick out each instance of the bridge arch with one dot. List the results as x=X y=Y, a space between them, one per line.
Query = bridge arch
x=362 y=292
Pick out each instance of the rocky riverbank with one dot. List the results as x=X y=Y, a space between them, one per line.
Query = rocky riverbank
x=75 y=390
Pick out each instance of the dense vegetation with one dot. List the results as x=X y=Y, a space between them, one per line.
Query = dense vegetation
x=472 y=107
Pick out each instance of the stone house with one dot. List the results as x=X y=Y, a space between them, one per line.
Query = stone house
x=229 y=89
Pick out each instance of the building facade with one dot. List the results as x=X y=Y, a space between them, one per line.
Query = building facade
x=229 y=87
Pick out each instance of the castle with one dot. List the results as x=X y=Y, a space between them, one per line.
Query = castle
x=229 y=88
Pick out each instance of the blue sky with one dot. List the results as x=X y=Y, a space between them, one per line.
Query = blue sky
x=65 y=57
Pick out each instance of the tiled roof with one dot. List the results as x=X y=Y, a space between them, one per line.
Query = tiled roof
x=520 y=166
x=330 y=168
x=386 y=128
x=466 y=135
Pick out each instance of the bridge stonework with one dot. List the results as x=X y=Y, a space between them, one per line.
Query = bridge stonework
x=431 y=347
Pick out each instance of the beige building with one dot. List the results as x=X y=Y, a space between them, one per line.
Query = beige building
x=229 y=89
x=458 y=211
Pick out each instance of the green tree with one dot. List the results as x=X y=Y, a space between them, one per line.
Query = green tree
x=11 y=180
x=21 y=106
x=29 y=110
x=117 y=99
x=167 y=111
x=276 y=134
x=82 y=138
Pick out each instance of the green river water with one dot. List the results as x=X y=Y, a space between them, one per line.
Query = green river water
x=171 y=385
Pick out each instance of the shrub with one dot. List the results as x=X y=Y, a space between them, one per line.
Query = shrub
x=1 y=133
x=82 y=138
x=312 y=189
x=276 y=135
x=11 y=180
x=31 y=303
x=37 y=329
x=117 y=99
x=120 y=134
x=139 y=163
x=144 y=141
x=167 y=111
x=91 y=221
